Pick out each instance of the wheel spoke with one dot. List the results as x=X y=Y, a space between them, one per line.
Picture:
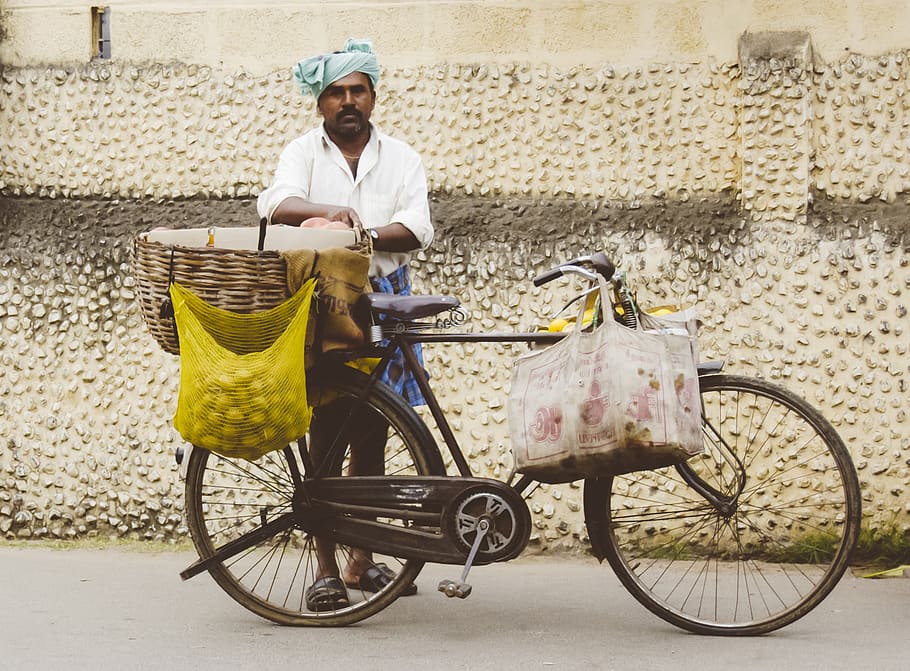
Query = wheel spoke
x=769 y=556
x=230 y=498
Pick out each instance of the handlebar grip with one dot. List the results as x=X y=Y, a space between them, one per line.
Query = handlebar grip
x=599 y=261
x=548 y=276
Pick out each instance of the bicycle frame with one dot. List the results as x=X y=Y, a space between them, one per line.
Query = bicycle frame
x=405 y=337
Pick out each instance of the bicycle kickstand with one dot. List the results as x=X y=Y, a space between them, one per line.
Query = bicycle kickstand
x=460 y=588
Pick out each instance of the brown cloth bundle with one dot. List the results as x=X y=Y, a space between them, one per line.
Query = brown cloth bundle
x=342 y=275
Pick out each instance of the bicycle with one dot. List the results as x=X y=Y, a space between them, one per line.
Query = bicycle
x=741 y=540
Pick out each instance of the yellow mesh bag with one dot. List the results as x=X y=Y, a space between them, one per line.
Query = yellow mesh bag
x=242 y=380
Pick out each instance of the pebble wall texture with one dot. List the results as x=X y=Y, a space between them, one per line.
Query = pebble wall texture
x=773 y=196
x=110 y=131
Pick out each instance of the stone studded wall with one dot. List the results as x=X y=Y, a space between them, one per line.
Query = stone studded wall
x=103 y=130
x=771 y=193
x=86 y=396
x=771 y=133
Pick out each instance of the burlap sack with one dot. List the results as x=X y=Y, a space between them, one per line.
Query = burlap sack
x=342 y=275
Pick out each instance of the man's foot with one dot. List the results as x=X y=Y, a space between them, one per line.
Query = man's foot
x=327 y=593
x=375 y=578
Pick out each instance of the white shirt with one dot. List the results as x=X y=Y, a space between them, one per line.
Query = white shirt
x=391 y=186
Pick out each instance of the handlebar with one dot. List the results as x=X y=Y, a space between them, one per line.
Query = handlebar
x=599 y=261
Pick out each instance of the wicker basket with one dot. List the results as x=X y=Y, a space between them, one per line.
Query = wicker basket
x=238 y=280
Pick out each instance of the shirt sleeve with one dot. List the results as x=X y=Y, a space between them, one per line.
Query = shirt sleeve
x=291 y=180
x=413 y=207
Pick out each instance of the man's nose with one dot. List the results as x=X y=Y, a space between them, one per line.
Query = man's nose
x=348 y=97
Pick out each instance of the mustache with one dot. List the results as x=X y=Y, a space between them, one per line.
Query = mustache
x=348 y=113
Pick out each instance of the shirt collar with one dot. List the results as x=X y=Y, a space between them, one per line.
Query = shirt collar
x=369 y=157
x=376 y=137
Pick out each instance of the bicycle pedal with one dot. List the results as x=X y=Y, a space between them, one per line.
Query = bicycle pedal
x=452 y=588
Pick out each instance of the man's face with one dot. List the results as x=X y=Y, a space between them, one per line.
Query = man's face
x=346 y=105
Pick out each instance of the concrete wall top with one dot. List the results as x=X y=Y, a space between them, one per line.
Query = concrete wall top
x=262 y=37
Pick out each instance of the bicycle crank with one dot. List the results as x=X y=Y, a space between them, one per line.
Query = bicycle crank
x=490 y=527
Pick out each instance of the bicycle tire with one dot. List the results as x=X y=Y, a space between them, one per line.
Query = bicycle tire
x=226 y=497
x=769 y=559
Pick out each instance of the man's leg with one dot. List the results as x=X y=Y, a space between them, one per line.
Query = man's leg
x=367 y=458
x=326 y=423
x=367 y=434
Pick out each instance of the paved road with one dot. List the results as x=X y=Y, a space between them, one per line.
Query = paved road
x=99 y=609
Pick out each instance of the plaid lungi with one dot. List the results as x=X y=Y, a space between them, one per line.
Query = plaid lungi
x=396 y=374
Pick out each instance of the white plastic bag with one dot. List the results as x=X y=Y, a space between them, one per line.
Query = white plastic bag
x=682 y=322
x=608 y=401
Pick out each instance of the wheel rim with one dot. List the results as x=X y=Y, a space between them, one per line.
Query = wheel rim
x=235 y=496
x=760 y=562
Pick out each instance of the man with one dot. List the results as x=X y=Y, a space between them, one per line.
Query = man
x=342 y=174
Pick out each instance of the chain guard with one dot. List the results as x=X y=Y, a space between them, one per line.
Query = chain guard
x=430 y=518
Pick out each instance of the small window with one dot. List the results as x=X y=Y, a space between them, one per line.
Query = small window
x=101 y=32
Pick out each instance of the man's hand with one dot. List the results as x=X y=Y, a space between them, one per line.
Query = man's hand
x=346 y=215
x=299 y=212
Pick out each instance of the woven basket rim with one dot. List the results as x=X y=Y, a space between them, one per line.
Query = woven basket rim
x=204 y=250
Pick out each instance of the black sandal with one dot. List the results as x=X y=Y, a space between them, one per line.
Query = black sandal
x=327 y=593
x=376 y=577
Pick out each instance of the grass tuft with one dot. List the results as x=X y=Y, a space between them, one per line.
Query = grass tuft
x=882 y=546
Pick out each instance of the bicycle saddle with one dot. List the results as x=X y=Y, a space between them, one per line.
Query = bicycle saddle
x=408 y=307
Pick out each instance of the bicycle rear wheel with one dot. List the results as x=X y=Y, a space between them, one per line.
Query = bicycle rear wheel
x=766 y=556
x=227 y=498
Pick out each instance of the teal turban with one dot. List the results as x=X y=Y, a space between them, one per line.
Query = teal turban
x=315 y=74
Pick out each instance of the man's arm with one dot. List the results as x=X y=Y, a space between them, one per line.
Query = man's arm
x=411 y=227
x=286 y=201
x=395 y=238
x=294 y=210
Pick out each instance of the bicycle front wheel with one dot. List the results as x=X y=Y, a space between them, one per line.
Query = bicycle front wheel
x=227 y=499
x=775 y=540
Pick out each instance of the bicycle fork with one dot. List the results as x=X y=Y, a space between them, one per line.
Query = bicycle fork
x=597 y=490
